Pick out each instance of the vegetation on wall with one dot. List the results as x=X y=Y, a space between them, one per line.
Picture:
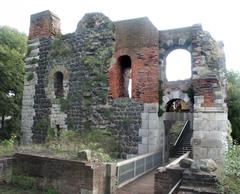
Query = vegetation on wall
x=42 y=125
x=30 y=76
x=190 y=93
x=160 y=99
x=233 y=102
x=59 y=48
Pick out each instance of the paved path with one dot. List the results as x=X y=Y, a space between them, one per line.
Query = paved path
x=143 y=185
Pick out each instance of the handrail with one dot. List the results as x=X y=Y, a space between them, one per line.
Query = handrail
x=176 y=161
x=129 y=170
x=175 y=187
x=135 y=158
x=180 y=135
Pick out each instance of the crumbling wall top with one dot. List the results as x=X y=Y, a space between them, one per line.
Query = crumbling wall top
x=44 y=24
x=139 y=32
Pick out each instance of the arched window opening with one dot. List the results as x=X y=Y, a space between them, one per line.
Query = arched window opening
x=177 y=105
x=125 y=76
x=58 y=84
x=178 y=65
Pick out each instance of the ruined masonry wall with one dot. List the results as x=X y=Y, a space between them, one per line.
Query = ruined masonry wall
x=88 y=61
x=210 y=122
x=83 y=58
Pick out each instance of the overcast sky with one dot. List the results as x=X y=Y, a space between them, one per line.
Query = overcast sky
x=219 y=17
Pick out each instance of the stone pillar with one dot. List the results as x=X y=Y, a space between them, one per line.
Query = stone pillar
x=30 y=81
x=44 y=24
x=210 y=122
x=150 y=130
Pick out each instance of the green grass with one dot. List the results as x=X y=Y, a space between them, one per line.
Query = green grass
x=70 y=143
x=13 y=189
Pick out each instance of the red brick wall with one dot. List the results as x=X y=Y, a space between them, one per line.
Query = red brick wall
x=65 y=176
x=44 y=24
x=205 y=87
x=145 y=74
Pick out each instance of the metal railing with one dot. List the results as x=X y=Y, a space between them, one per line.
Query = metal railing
x=176 y=161
x=129 y=170
x=183 y=131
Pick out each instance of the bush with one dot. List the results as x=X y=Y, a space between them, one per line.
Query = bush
x=229 y=180
x=6 y=146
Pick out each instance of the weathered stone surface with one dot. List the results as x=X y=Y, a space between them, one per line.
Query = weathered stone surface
x=63 y=175
x=93 y=83
x=84 y=155
x=186 y=162
x=206 y=165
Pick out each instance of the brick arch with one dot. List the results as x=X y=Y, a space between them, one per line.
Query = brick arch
x=115 y=77
x=176 y=94
x=144 y=74
x=167 y=47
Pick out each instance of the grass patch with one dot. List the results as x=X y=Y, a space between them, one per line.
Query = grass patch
x=70 y=143
x=15 y=189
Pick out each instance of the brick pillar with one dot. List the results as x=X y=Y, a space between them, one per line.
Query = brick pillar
x=44 y=24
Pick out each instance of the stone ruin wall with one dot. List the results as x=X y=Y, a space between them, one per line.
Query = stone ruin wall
x=89 y=62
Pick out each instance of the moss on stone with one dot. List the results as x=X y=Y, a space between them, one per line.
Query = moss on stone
x=30 y=76
x=26 y=182
x=64 y=104
x=34 y=61
x=59 y=48
x=160 y=98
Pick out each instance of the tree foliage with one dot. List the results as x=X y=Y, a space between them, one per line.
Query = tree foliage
x=12 y=51
x=233 y=101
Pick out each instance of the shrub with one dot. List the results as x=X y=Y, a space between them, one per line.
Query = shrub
x=6 y=146
x=229 y=180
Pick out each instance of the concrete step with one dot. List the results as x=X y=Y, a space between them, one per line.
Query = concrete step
x=195 y=189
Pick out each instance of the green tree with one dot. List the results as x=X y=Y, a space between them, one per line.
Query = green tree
x=233 y=101
x=12 y=51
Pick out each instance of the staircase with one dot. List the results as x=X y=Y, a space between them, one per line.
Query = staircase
x=199 y=182
x=182 y=144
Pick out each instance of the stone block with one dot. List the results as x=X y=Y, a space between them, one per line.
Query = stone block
x=153 y=141
x=199 y=153
x=217 y=154
x=153 y=148
x=144 y=116
x=153 y=133
x=153 y=116
x=212 y=142
x=145 y=140
x=143 y=132
x=84 y=155
x=153 y=124
x=142 y=148
x=145 y=124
